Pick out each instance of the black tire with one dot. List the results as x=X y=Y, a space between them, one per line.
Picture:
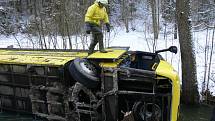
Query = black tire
x=136 y=110
x=141 y=111
x=84 y=72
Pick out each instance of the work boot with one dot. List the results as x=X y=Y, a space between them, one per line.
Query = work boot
x=103 y=51
x=89 y=53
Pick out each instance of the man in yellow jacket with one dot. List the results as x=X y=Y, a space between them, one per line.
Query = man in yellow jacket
x=97 y=14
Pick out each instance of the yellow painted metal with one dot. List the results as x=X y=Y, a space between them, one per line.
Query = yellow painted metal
x=110 y=64
x=111 y=54
x=166 y=70
x=42 y=57
x=57 y=58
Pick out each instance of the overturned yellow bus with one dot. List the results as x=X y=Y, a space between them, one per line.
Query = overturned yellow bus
x=68 y=85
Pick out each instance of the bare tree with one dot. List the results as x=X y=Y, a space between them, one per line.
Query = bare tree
x=206 y=63
x=190 y=93
x=125 y=14
x=155 y=21
x=210 y=62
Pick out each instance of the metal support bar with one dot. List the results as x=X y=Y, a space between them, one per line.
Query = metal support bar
x=133 y=92
x=144 y=72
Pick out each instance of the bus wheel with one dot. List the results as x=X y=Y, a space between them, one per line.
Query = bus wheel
x=143 y=111
x=84 y=72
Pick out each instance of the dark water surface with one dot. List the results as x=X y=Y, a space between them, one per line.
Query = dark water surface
x=188 y=113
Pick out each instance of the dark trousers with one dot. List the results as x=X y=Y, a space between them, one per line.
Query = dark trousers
x=97 y=37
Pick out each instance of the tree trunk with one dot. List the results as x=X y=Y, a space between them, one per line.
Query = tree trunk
x=206 y=64
x=153 y=4
x=37 y=24
x=190 y=93
x=210 y=62
x=175 y=30
x=125 y=15
x=154 y=18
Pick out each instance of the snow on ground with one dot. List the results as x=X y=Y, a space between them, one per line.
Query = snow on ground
x=200 y=38
x=136 y=40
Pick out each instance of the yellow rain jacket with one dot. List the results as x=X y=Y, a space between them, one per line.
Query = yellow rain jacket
x=95 y=14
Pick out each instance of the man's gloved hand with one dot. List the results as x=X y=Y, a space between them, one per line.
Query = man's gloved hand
x=108 y=27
